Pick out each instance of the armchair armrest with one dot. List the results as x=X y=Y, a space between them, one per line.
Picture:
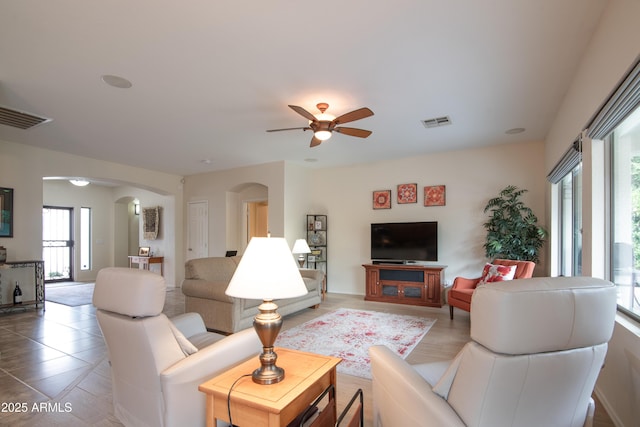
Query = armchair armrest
x=463 y=283
x=401 y=396
x=312 y=274
x=189 y=324
x=180 y=382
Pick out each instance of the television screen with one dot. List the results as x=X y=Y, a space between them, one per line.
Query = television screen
x=404 y=241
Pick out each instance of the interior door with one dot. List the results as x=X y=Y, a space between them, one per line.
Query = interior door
x=198 y=230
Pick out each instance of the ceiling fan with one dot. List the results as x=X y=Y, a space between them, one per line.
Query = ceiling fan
x=323 y=124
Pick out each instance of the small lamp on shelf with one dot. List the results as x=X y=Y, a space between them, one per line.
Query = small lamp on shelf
x=301 y=247
x=267 y=272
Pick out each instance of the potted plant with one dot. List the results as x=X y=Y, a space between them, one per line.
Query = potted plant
x=512 y=229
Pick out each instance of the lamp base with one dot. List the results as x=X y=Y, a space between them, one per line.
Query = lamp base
x=268 y=372
x=267 y=325
x=301 y=261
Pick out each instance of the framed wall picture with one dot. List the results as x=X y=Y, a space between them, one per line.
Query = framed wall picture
x=407 y=193
x=434 y=195
x=6 y=212
x=382 y=199
x=143 y=251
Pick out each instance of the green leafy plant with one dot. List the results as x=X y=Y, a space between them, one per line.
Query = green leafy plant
x=512 y=229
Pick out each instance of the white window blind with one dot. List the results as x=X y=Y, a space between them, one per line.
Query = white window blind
x=624 y=100
x=567 y=163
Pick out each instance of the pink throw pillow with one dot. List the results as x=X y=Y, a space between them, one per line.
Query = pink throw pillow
x=497 y=273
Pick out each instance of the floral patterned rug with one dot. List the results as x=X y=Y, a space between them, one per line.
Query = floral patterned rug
x=348 y=334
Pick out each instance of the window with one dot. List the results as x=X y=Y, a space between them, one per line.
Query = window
x=570 y=204
x=85 y=238
x=625 y=212
x=567 y=174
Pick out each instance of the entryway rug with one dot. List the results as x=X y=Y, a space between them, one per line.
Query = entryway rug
x=71 y=295
x=348 y=334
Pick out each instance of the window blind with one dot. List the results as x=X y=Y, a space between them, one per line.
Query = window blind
x=567 y=163
x=623 y=102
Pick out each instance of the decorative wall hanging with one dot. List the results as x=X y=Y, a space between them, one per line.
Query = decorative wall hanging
x=150 y=222
x=6 y=212
x=382 y=199
x=434 y=195
x=407 y=193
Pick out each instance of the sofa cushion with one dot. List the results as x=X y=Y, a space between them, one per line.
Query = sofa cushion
x=212 y=269
x=207 y=290
x=310 y=283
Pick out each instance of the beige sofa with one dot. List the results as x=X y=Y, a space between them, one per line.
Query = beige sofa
x=206 y=280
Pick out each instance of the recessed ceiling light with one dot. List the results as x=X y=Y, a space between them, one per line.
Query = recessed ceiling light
x=206 y=161
x=116 y=81
x=514 y=131
x=310 y=160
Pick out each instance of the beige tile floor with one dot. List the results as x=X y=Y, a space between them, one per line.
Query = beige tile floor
x=54 y=372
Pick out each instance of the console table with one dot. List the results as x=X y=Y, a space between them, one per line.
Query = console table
x=412 y=284
x=30 y=275
x=145 y=261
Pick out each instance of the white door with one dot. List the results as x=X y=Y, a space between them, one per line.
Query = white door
x=198 y=230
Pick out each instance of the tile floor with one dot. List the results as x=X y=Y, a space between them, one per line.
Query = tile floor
x=54 y=369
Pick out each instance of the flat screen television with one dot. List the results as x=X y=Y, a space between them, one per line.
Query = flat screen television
x=404 y=241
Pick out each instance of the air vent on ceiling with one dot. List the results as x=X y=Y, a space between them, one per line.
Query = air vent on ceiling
x=436 y=122
x=20 y=119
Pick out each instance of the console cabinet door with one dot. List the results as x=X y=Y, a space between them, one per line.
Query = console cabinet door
x=404 y=284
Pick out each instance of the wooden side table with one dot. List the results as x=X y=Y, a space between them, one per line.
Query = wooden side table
x=145 y=261
x=307 y=375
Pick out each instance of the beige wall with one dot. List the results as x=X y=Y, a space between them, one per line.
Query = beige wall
x=611 y=53
x=471 y=178
x=226 y=191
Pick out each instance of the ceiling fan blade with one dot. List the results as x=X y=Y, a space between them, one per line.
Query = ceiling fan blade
x=279 y=130
x=358 y=114
x=315 y=142
x=360 y=133
x=304 y=113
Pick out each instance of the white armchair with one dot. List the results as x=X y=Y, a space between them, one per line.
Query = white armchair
x=157 y=364
x=536 y=351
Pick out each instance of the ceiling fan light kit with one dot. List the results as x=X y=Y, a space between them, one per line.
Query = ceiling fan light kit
x=323 y=125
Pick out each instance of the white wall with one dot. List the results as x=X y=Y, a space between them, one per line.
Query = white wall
x=471 y=178
x=100 y=200
x=23 y=168
x=611 y=53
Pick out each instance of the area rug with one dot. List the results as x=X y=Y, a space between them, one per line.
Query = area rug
x=348 y=334
x=71 y=295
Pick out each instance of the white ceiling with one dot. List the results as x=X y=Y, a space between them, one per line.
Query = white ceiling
x=209 y=77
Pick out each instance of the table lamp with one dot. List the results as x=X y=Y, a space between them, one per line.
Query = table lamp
x=300 y=247
x=267 y=272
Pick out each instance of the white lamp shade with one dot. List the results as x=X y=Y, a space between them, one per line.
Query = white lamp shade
x=266 y=271
x=301 y=247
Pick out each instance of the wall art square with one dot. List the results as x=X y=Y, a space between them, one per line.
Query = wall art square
x=6 y=212
x=407 y=193
x=434 y=195
x=382 y=199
